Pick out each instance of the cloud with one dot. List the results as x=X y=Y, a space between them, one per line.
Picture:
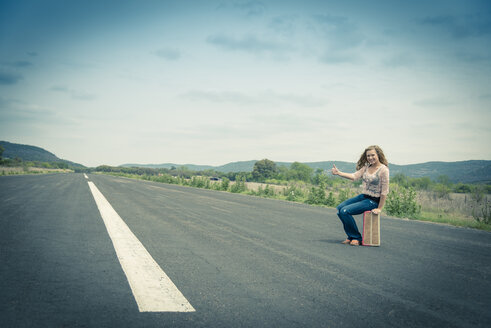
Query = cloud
x=20 y=64
x=220 y=97
x=284 y=25
x=343 y=39
x=398 y=60
x=26 y=115
x=32 y=54
x=74 y=94
x=16 y=111
x=340 y=57
x=459 y=27
x=341 y=33
x=268 y=97
x=292 y=122
x=9 y=78
x=434 y=102
x=168 y=53
x=9 y=75
x=4 y=103
x=472 y=57
x=60 y=89
x=250 y=44
x=251 y=8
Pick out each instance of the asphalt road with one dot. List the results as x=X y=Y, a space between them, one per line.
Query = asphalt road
x=240 y=261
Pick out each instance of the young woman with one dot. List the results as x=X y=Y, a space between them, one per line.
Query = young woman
x=372 y=167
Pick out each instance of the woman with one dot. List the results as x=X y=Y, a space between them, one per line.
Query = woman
x=372 y=168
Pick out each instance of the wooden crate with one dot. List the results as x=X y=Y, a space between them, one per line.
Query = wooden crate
x=371 y=229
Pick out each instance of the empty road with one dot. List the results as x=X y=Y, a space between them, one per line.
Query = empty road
x=239 y=261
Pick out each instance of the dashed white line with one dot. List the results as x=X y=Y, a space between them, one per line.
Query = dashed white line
x=152 y=288
x=85 y=175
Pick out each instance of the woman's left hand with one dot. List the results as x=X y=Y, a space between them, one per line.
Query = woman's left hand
x=376 y=211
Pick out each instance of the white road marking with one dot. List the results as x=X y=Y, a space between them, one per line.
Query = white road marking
x=152 y=288
x=85 y=175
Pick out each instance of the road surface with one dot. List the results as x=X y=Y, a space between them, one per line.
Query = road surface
x=239 y=261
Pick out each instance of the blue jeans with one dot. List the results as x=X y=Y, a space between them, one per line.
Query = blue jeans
x=354 y=206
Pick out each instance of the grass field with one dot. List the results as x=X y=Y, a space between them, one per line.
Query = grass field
x=452 y=209
x=5 y=170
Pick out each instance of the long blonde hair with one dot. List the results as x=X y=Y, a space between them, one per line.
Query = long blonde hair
x=363 y=158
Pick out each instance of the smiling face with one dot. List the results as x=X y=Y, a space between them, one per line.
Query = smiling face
x=372 y=157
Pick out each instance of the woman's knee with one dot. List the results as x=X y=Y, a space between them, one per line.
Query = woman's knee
x=343 y=211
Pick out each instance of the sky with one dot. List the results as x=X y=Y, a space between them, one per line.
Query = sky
x=213 y=82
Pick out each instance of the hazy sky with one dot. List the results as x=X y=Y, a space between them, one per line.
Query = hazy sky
x=212 y=82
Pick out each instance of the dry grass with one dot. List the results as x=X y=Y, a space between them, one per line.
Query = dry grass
x=4 y=170
x=455 y=209
x=457 y=204
x=254 y=186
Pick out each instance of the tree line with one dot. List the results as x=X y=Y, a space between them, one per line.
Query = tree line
x=266 y=171
x=301 y=183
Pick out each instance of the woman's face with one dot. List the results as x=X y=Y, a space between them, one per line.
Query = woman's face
x=372 y=157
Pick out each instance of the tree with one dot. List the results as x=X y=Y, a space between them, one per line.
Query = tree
x=321 y=177
x=1 y=152
x=400 y=179
x=444 y=180
x=423 y=183
x=264 y=169
x=301 y=171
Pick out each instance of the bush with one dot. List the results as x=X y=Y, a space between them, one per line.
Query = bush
x=423 y=183
x=478 y=194
x=401 y=202
x=165 y=178
x=321 y=177
x=331 y=201
x=266 y=192
x=441 y=191
x=317 y=195
x=225 y=184
x=239 y=185
x=483 y=214
x=343 y=195
x=401 y=180
x=462 y=188
x=200 y=182
x=293 y=193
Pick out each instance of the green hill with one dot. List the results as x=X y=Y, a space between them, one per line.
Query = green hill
x=474 y=171
x=31 y=154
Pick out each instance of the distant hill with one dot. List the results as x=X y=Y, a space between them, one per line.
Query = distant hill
x=169 y=166
x=244 y=166
x=31 y=153
x=474 y=171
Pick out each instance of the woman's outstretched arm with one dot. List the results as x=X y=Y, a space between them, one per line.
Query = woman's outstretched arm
x=335 y=171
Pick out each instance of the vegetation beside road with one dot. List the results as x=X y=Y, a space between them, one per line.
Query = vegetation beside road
x=30 y=170
x=18 y=166
x=439 y=200
x=435 y=199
